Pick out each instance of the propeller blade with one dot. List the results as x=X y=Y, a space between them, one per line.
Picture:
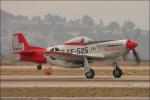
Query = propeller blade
x=125 y=33
x=126 y=54
x=136 y=36
x=138 y=33
x=137 y=58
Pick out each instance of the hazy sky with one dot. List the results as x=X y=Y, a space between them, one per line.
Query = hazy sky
x=120 y=11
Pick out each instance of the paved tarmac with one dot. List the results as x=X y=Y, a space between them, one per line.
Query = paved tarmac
x=74 y=81
x=75 y=98
x=96 y=68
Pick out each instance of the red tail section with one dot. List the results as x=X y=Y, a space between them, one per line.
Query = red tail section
x=27 y=52
x=19 y=42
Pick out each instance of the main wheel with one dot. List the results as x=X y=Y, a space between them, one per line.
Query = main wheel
x=90 y=74
x=117 y=72
x=39 y=67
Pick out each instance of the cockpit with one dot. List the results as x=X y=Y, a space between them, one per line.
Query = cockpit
x=78 y=40
x=54 y=49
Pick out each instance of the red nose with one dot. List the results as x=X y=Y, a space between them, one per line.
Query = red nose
x=130 y=44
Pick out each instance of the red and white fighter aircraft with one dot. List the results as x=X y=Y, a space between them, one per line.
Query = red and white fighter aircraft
x=75 y=53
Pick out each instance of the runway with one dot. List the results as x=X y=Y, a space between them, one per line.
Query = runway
x=145 y=67
x=74 y=81
x=76 y=98
x=66 y=84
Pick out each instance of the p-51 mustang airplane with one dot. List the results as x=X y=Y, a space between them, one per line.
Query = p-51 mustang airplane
x=75 y=53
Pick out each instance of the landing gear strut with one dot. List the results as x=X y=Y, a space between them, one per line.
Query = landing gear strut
x=117 y=72
x=39 y=67
x=89 y=73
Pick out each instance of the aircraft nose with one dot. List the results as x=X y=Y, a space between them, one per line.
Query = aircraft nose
x=130 y=44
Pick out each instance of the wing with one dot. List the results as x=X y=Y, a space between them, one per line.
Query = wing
x=64 y=55
x=96 y=56
x=29 y=52
x=71 y=57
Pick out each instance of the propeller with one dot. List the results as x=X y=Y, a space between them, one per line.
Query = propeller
x=137 y=58
x=138 y=31
x=131 y=45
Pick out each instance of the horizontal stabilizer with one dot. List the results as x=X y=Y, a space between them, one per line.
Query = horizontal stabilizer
x=24 y=52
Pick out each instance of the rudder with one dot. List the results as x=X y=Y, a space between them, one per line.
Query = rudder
x=19 y=42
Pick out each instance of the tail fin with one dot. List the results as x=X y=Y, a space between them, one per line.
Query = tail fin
x=26 y=51
x=19 y=43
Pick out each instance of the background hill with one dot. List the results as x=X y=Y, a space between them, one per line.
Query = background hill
x=54 y=29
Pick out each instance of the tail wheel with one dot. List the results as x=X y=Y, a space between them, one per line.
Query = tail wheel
x=117 y=72
x=90 y=74
x=39 y=67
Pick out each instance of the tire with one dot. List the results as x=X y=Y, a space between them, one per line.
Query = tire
x=39 y=67
x=117 y=72
x=90 y=74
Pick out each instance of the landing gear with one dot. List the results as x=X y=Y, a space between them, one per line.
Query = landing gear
x=39 y=67
x=117 y=72
x=89 y=73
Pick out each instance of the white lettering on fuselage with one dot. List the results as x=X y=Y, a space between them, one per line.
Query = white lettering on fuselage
x=81 y=50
